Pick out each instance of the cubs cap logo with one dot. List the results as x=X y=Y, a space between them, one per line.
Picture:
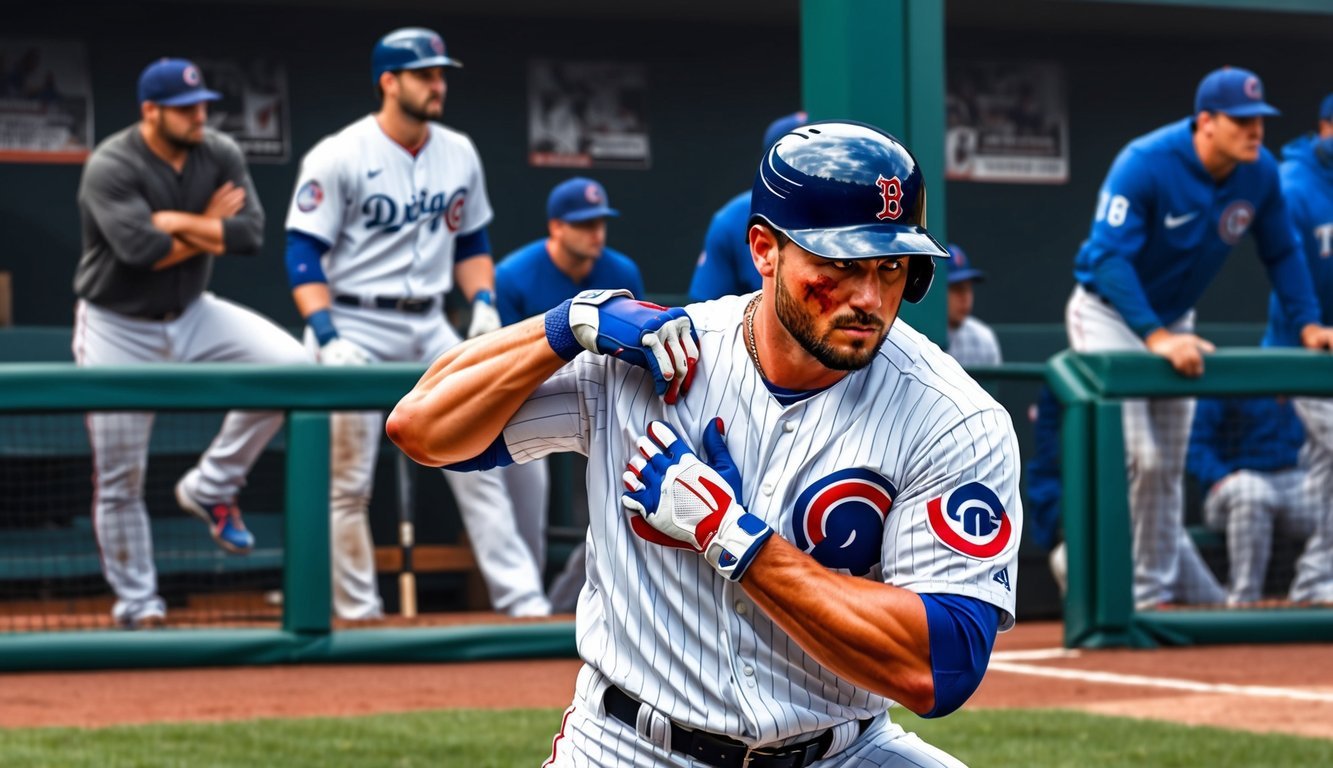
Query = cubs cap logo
x=1235 y=221
x=437 y=44
x=593 y=194
x=309 y=196
x=1253 y=88
x=191 y=75
x=453 y=212
x=839 y=519
x=971 y=521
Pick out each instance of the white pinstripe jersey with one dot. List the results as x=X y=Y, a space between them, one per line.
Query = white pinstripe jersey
x=911 y=437
x=390 y=218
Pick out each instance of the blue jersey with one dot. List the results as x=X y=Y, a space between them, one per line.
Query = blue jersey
x=1164 y=226
x=528 y=283
x=725 y=266
x=1235 y=433
x=1307 y=183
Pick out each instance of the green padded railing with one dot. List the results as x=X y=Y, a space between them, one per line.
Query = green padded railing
x=1099 y=606
x=306 y=394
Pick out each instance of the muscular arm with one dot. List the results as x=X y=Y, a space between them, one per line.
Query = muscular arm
x=197 y=230
x=467 y=396
x=474 y=274
x=869 y=633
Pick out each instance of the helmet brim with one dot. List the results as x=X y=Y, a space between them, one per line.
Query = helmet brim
x=435 y=61
x=868 y=242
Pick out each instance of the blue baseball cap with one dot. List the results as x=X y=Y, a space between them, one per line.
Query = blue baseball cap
x=174 y=83
x=960 y=268
x=1234 y=92
x=578 y=199
x=1326 y=108
x=782 y=126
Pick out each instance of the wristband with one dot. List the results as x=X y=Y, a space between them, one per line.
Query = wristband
x=485 y=297
x=558 y=334
x=321 y=322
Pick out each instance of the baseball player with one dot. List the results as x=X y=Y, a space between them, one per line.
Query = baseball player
x=724 y=265
x=820 y=516
x=573 y=257
x=158 y=201
x=387 y=214
x=971 y=342
x=1307 y=184
x=1245 y=453
x=1174 y=204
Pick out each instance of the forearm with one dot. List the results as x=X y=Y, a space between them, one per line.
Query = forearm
x=474 y=274
x=466 y=397
x=181 y=251
x=204 y=233
x=871 y=634
x=311 y=298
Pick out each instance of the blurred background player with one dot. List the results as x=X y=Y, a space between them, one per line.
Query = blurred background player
x=573 y=257
x=724 y=265
x=971 y=342
x=1174 y=204
x=388 y=215
x=159 y=200
x=1307 y=184
x=1245 y=454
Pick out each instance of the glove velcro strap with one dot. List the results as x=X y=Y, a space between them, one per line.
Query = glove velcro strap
x=737 y=542
x=558 y=334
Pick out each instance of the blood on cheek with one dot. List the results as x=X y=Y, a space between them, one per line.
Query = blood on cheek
x=821 y=290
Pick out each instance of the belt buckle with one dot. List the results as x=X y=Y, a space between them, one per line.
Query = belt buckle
x=404 y=304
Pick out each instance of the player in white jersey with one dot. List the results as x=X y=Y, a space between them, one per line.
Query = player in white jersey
x=844 y=538
x=387 y=214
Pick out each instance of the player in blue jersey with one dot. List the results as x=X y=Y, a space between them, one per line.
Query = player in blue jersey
x=1245 y=453
x=531 y=280
x=1174 y=204
x=1307 y=183
x=724 y=265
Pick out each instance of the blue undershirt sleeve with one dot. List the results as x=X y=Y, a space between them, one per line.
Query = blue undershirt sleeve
x=472 y=244
x=962 y=634
x=303 y=254
x=497 y=455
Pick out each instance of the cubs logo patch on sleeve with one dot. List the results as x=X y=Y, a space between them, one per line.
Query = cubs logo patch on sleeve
x=309 y=196
x=971 y=521
x=839 y=519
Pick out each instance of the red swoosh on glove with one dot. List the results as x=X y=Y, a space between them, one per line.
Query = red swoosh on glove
x=707 y=528
x=648 y=533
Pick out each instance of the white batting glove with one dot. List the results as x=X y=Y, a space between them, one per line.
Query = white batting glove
x=340 y=351
x=612 y=322
x=690 y=502
x=485 y=318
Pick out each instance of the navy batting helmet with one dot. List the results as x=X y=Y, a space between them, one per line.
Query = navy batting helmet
x=845 y=190
x=409 y=48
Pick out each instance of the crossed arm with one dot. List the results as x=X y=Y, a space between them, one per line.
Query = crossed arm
x=195 y=233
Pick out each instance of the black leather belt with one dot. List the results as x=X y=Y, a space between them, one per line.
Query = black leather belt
x=723 y=751
x=416 y=306
x=1088 y=289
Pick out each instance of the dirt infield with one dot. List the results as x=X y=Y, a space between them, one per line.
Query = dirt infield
x=1282 y=688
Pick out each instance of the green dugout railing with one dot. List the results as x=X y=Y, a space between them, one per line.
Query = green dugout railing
x=1099 y=606
x=306 y=394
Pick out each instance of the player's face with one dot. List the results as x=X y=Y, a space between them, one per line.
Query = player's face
x=960 y=302
x=838 y=311
x=583 y=240
x=421 y=93
x=1238 y=138
x=183 y=127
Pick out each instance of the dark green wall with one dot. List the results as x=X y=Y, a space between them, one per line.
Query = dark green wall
x=708 y=104
x=712 y=89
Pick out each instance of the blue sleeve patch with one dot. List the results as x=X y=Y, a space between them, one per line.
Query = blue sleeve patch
x=472 y=244
x=303 y=253
x=962 y=634
x=497 y=455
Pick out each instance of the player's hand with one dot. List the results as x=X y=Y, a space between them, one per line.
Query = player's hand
x=227 y=201
x=688 y=503
x=1314 y=336
x=340 y=351
x=647 y=335
x=1184 y=351
x=485 y=318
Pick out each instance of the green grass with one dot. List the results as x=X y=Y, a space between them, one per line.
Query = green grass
x=1029 y=738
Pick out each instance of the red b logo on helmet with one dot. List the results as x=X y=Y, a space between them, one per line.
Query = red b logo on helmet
x=892 y=192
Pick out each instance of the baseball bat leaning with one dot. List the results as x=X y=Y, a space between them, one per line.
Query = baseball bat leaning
x=407 y=577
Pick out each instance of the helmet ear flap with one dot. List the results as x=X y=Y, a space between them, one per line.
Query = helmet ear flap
x=920 y=274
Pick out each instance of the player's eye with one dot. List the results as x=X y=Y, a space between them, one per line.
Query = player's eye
x=893 y=266
x=844 y=265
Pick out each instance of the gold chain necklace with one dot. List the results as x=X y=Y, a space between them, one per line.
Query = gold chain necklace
x=750 y=309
